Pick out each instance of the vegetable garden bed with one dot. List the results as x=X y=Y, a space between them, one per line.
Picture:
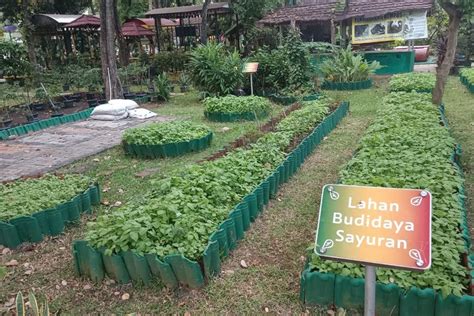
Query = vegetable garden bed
x=36 y=207
x=413 y=81
x=233 y=109
x=290 y=99
x=169 y=139
x=43 y=124
x=408 y=146
x=358 y=85
x=467 y=78
x=206 y=209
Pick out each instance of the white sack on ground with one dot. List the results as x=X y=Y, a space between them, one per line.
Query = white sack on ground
x=109 y=109
x=141 y=113
x=129 y=104
x=108 y=117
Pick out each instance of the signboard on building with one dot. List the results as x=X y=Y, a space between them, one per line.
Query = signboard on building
x=407 y=26
x=375 y=226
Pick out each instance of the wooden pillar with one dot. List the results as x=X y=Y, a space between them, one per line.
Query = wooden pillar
x=333 y=32
x=344 y=33
x=157 y=30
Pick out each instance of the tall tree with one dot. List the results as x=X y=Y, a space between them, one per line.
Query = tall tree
x=108 y=28
x=456 y=10
x=204 y=16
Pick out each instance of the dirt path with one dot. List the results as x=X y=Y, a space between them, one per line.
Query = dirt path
x=55 y=147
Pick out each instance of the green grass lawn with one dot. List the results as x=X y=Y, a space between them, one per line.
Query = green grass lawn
x=274 y=247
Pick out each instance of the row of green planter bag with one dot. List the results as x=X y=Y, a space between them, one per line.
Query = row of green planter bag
x=49 y=222
x=289 y=100
x=234 y=117
x=467 y=82
x=358 y=85
x=168 y=150
x=43 y=124
x=324 y=288
x=175 y=270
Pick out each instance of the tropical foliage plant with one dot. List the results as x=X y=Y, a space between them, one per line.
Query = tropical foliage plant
x=31 y=307
x=182 y=211
x=346 y=66
x=413 y=81
x=233 y=104
x=163 y=87
x=407 y=147
x=27 y=196
x=216 y=71
x=165 y=133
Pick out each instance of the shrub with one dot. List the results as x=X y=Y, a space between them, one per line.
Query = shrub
x=233 y=104
x=345 y=66
x=165 y=133
x=414 y=81
x=407 y=147
x=170 y=61
x=286 y=67
x=182 y=211
x=216 y=71
x=25 y=197
x=14 y=59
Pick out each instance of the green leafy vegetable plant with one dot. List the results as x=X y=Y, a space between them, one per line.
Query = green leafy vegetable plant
x=27 y=196
x=239 y=105
x=468 y=73
x=182 y=211
x=413 y=81
x=165 y=133
x=408 y=147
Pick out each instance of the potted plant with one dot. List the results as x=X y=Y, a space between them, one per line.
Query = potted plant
x=41 y=98
x=184 y=82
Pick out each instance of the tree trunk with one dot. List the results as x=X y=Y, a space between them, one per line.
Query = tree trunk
x=124 y=54
x=204 y=22
x=28 y=33
x=113 y=89
x=442 y=72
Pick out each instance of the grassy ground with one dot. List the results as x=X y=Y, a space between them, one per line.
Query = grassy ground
x=273 y=248
x=459 y=103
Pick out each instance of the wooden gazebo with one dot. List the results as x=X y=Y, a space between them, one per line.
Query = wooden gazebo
x=188 y=17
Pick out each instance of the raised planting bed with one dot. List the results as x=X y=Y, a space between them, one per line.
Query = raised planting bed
x=291 y=99
x=42 y=124
x=467 y=78
x=233 y=109
x=181 y=231
x=36 y=207
x=168 y=139
x=414 y=81
x=407 y=146
x=358 y=85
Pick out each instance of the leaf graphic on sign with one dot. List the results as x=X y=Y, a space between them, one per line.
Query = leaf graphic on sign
x=416 y=201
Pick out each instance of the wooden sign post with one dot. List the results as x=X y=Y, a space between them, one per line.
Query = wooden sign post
x=250 y=68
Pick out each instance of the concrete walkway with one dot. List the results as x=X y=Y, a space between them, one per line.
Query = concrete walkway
x=55 y=147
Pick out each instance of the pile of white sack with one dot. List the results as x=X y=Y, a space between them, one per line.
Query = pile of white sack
x=119 y=109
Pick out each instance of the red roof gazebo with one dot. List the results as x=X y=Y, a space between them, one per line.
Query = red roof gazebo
x=84 y=21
